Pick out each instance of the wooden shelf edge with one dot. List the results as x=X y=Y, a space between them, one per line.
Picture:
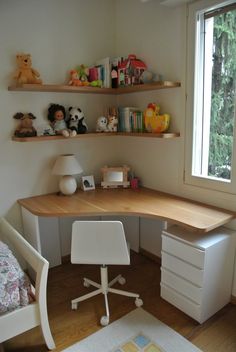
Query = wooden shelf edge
x=96 y=134
x=94 y=90
x=150 y=135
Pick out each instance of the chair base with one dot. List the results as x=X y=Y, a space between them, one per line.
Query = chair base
x=105 y=288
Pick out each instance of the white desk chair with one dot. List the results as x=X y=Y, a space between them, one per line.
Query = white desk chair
x=104 y=243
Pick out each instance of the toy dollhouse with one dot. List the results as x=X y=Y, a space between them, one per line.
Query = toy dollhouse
x=130 y=70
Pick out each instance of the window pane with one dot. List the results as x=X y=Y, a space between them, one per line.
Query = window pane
x=223 y=84
x=214 y=96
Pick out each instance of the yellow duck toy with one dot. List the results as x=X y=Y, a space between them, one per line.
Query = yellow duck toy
x=153 y=121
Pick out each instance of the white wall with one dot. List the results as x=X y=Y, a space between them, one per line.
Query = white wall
x=59 y=34
x=157 y=35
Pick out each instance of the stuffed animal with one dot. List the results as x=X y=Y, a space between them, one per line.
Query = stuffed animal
x=74 y=79
x=57 y=116
x=101 y=124
x=76 y=121
x=83 y=73
x=25 y=73
x=154 y=121
x=112 y=123
x=25 y=127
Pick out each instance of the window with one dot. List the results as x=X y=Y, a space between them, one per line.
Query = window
x=211 y=161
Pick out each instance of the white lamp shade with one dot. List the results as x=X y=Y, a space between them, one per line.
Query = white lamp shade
x=66 y=164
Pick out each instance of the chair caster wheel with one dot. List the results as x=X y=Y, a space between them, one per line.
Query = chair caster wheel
x=138 y=302
x=86 y=284
x=121 y=280
x=104 y=321
x=74 y=306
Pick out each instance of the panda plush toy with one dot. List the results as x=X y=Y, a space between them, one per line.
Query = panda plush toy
x=76 y=121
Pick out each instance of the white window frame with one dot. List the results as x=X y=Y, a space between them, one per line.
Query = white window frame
x=192 y=82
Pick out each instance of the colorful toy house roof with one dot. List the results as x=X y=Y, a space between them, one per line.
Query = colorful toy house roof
x=133 y=62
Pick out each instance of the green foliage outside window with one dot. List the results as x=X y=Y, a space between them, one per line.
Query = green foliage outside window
x=223 y=95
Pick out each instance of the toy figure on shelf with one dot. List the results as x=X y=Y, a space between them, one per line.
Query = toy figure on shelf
x=25 y=127
x=112 y=124
x=101 y=124
x=76 y=121
x=130 y=71
x=57 y=115
x=154 y=121
x=74 y=79
x=83 y=73
x=25 y=73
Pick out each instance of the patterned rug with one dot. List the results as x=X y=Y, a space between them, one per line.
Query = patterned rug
x=135 y=332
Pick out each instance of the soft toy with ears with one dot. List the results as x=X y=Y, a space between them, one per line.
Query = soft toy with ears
x=74 y=79
x=76 y=121
x=25 y=73
x=25 y=127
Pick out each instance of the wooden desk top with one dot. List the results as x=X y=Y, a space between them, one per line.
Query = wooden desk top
x=141 y=202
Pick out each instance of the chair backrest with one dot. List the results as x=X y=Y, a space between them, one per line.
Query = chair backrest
x=99 y=242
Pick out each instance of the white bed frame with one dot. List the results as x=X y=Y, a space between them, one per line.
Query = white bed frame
x=34 y=314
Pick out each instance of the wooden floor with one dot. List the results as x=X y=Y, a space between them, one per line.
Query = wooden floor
x=218 y=334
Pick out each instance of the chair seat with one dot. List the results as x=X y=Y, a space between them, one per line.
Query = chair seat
x=103 y=243
x=99 y=242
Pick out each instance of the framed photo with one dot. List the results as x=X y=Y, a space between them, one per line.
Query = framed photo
x=88 y=183
x=114 y=177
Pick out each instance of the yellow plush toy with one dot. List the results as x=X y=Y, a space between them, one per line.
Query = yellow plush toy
x=154 y=122
x=25 y=73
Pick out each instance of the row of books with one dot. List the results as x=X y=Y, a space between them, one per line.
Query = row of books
x=117 y=71
x=101 y=71
x=130 y=119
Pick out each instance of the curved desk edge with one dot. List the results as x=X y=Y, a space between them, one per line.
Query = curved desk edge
x=142 y=202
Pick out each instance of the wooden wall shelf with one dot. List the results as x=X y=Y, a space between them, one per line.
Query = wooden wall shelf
x=94 y=134
x=93 y=90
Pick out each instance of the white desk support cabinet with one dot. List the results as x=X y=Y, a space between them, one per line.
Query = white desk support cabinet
x=197 y=271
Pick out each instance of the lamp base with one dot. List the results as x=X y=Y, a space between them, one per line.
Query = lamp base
x=67 y=185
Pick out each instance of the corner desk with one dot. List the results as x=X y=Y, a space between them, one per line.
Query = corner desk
x=41 y=214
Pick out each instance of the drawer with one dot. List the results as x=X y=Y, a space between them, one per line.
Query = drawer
x=183 y=269
x=185 y=305
x=182 y=286
x=194 y=256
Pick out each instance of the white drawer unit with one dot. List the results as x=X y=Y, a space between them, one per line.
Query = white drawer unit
x=197 y=270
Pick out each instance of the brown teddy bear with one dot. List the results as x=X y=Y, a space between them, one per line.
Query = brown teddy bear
x=25 y=73
x=25 y=127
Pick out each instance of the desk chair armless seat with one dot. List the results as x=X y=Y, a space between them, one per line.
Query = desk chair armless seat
x=102 y=243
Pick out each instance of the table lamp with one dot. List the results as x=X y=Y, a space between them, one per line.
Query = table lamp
x=67 y=165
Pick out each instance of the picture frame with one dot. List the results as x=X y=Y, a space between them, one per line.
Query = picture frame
x=88 y=183
x=114 y=177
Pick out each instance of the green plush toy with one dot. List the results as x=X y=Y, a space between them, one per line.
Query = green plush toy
x=83 y=72
x=97 y=83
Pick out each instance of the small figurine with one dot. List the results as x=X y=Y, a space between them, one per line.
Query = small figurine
x=74 y=79
x=25 y=73
x=25 y=127
x=101 y=124
x=112 y=123
x=83 y=73
x=76 y=123
x=57 y=116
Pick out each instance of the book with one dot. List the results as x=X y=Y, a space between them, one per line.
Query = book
x=130 y=119
x=105 y=65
